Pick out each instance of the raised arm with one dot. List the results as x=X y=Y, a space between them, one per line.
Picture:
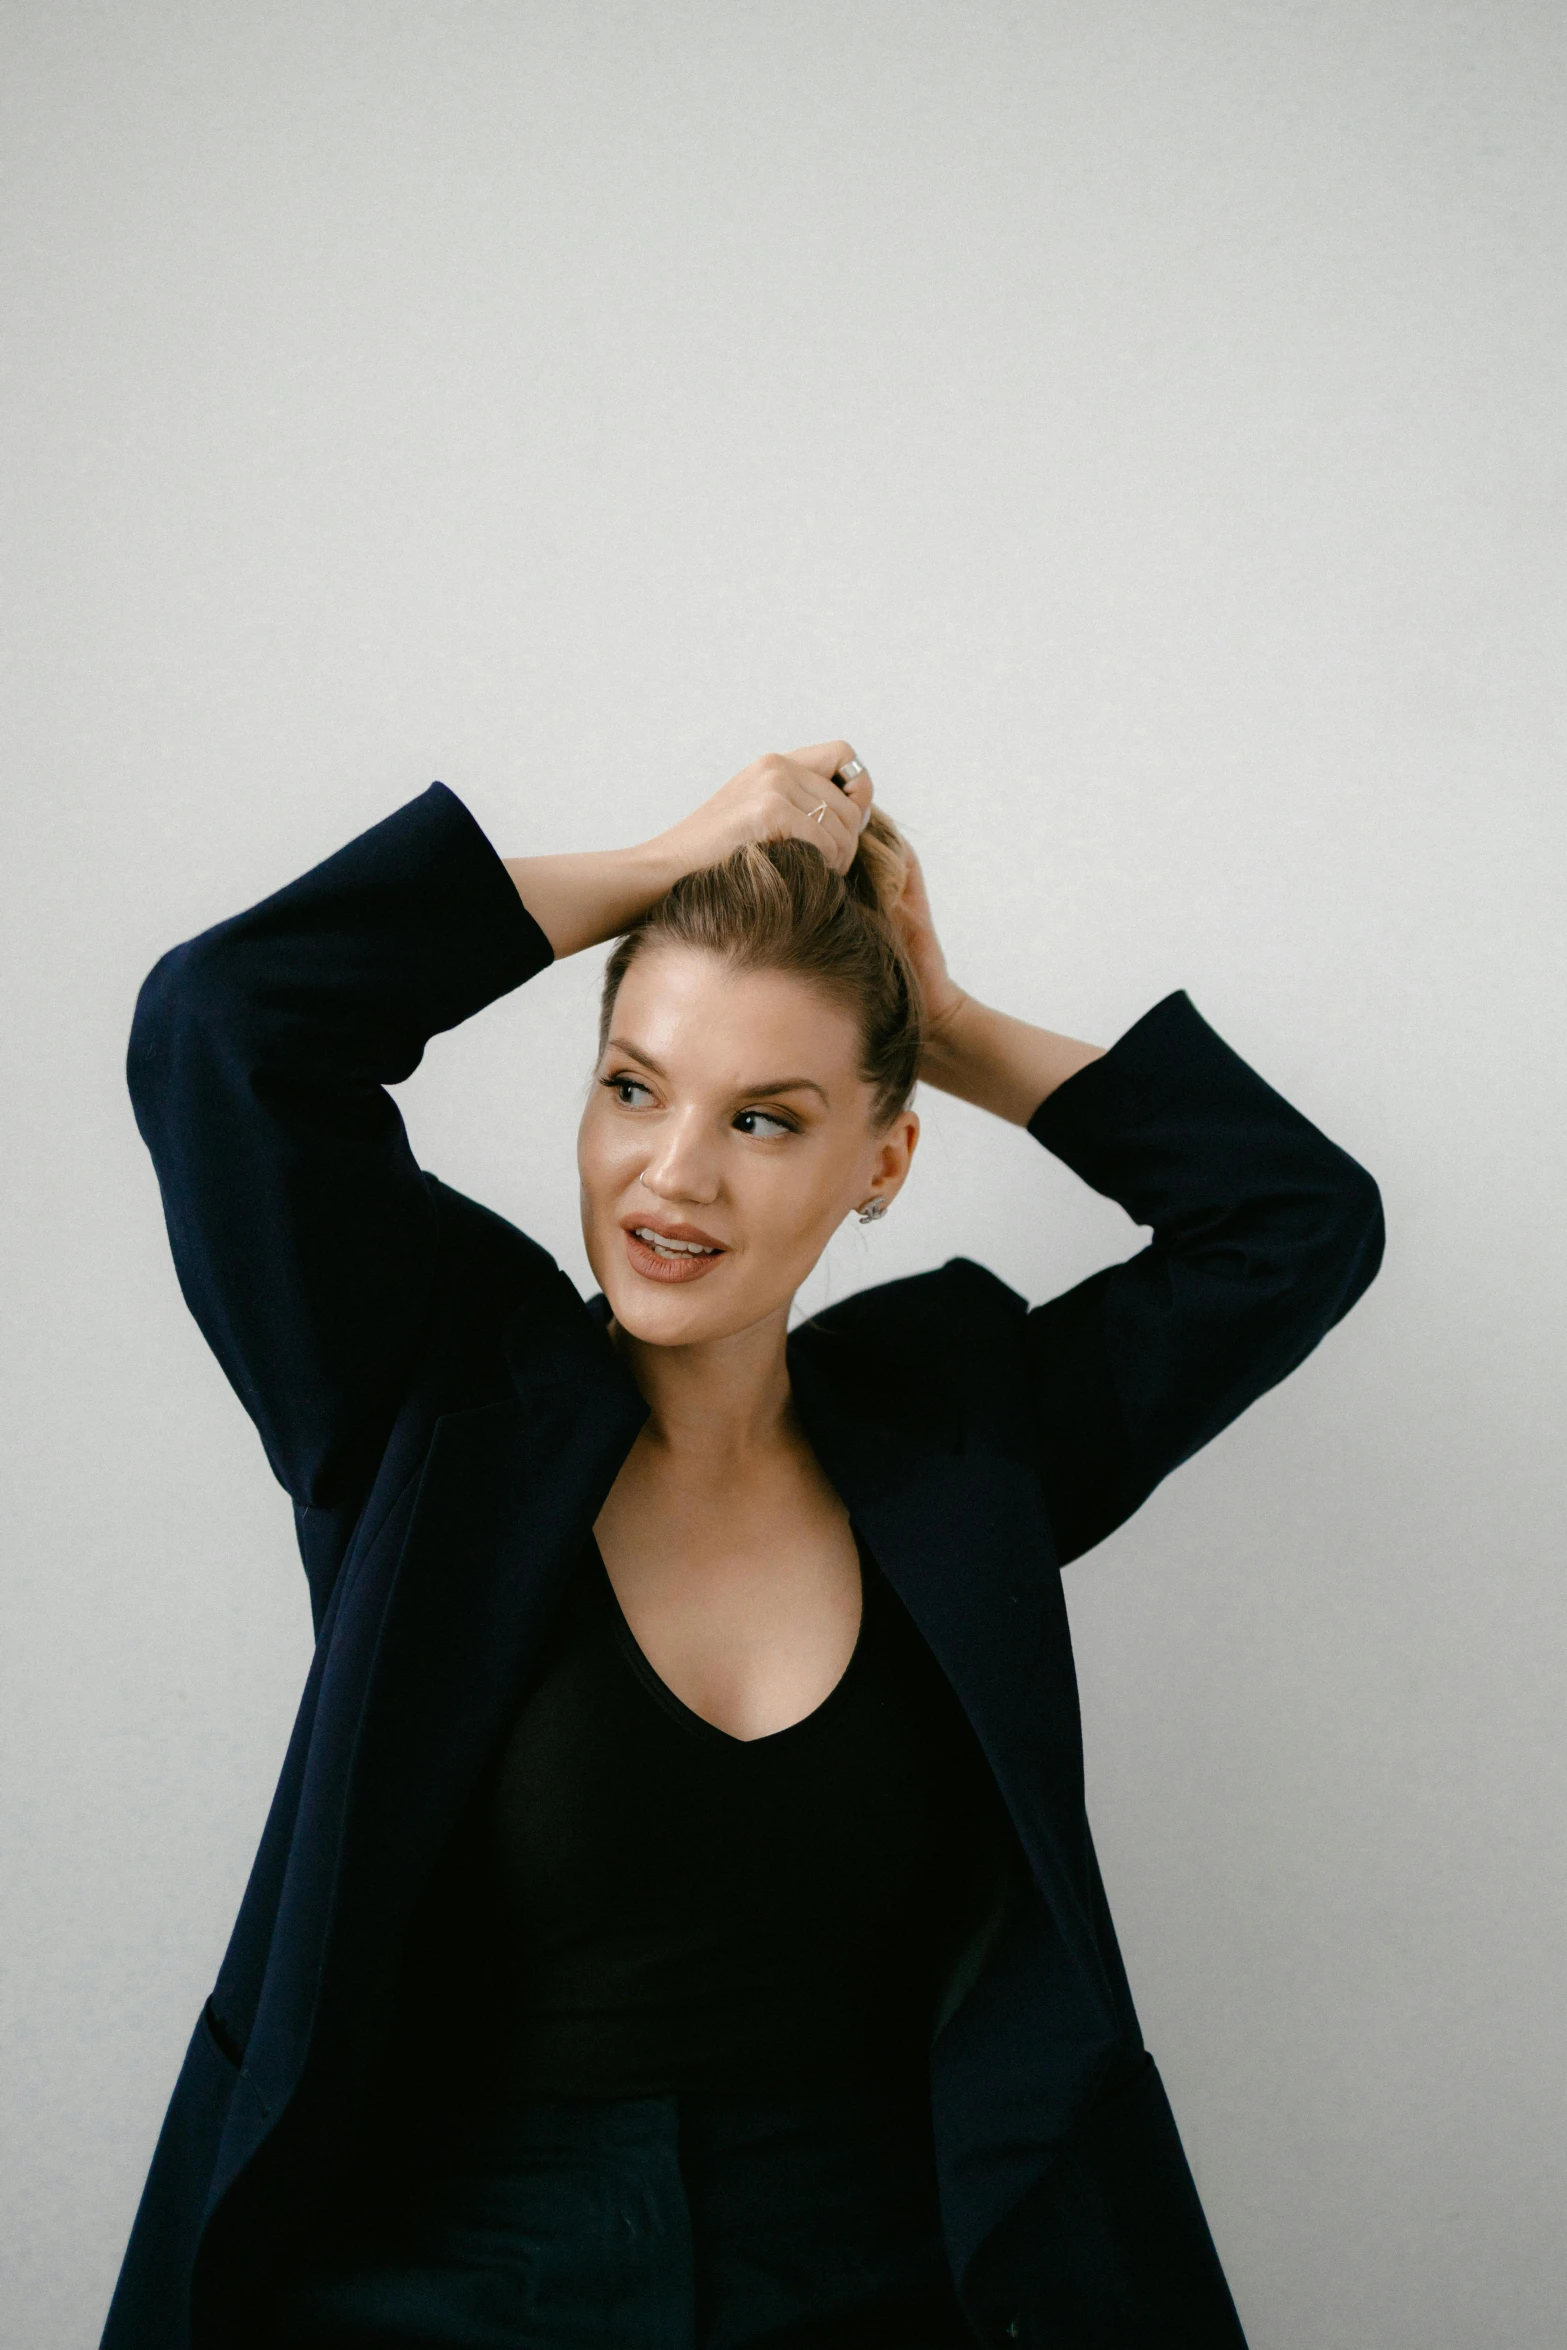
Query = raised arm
x=1264 y=1234
x=303 y=1234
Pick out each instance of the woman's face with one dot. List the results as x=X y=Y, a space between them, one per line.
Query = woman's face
x=727 y=1135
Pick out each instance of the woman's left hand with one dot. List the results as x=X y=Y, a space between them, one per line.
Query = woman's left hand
x=943 y=997
x=983 y=1056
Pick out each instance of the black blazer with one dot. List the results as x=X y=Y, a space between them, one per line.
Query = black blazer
x=448 y=1415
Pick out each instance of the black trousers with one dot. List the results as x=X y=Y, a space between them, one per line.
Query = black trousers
x=652 y=2223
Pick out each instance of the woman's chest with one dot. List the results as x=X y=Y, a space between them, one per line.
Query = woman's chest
x=746 y=1602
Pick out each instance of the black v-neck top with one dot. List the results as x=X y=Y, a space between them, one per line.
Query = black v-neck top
x=687 y=1910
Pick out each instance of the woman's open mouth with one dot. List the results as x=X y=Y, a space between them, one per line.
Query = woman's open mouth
x=677 y=1255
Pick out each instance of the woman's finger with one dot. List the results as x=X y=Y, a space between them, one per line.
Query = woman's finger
x=823 y=758
x=828 y=759
x=858 y=788
x=827 y=817
x=859 y=794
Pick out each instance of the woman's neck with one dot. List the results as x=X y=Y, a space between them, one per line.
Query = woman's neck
x=721 y=1399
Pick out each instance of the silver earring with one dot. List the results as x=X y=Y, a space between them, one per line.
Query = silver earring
x=873 y=1211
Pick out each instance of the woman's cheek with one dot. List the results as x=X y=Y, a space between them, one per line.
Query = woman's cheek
x=606 y=1163
x=799 y=1216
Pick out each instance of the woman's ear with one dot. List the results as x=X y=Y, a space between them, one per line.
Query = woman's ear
x=890 y=1166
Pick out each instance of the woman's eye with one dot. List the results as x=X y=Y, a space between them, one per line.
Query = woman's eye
x=630 y=1092
x=762 y=1124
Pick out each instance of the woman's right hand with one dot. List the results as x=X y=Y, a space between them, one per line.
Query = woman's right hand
x=579 y=901
x=788 y=795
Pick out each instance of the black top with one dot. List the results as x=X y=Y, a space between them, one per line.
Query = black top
x=693 y=1911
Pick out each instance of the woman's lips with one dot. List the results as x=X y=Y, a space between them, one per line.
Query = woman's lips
x=683 y=1263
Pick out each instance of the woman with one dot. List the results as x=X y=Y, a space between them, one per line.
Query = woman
x=677 y=1922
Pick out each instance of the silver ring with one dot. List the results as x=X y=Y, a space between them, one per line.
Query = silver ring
x=850 y=772
x=819 y=812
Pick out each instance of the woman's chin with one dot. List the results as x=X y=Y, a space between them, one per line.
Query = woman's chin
x=682 y=1313
x=675 y=1316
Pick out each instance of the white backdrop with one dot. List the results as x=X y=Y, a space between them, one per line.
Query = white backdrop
x=1139 y=428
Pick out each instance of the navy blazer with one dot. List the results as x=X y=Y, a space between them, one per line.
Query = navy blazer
x=449 y=1415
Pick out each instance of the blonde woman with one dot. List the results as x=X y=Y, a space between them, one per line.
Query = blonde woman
x=677 y=1923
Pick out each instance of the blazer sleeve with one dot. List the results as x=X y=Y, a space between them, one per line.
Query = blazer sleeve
x=303 y=1233
x=1264 y=1235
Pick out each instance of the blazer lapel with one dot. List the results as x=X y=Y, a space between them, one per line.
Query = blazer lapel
x=963 y=1539
x=508 y=1496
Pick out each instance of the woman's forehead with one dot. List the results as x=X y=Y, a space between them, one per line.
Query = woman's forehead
x=684 y=1008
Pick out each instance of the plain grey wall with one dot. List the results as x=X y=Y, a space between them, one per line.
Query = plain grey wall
x=1139 y=428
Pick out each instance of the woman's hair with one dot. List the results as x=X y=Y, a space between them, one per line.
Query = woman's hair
x=778 y=906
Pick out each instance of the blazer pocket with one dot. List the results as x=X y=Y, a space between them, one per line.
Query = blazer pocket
x=223 y=2037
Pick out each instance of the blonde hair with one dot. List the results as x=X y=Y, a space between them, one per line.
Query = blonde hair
x=778 y=905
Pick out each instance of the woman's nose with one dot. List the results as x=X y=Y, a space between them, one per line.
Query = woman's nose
x=683 y=1168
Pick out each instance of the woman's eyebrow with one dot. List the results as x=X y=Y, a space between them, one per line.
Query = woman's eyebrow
x=787 y=1085
x=774 y=1085
x=633 y=1052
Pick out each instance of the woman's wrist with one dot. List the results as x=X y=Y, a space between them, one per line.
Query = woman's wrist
x=949 y=1042
x=581 y=899
x=1003 y=1065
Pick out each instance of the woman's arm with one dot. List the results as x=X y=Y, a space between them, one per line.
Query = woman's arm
x=1265 y=1233
x=303 y=1233
x=1002 y=1064
x=984 y=1056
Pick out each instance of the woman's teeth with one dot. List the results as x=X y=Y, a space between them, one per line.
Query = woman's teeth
x=671 y=1248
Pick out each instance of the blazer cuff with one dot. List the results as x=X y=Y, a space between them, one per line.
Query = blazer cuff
x=475 y=936
x=1169 y=1068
